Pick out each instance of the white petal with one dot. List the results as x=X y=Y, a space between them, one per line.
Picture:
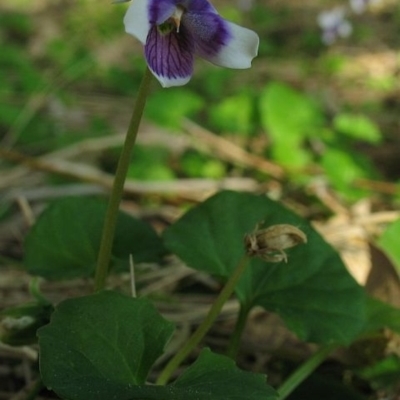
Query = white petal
x=331 y=18
x=136 y=20
x=240 y=50
x=170 y=82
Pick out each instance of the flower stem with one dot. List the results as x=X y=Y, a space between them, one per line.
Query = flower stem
x=205 y=325
x=237 y=333
x=110 y=221
x=304 y=371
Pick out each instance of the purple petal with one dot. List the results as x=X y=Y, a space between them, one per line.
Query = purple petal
x=170 y=56
x=161 y=10
x=209 y=30
x=199 y=6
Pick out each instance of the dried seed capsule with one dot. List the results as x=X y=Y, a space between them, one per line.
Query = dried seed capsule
x=270 y=243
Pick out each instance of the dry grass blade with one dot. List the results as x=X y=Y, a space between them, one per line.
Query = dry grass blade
x=190 y=189
x=230 y=152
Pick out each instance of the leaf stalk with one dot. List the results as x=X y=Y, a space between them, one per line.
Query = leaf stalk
x=203 y=328
x=234 y=342
x=304 y=371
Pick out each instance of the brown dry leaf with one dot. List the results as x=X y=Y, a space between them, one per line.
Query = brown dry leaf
x=383 y=281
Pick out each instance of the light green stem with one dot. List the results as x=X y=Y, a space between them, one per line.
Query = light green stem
x=35 y=291
x=110 y=222
x=203 y=328
x=304 y=371
x=234 y=342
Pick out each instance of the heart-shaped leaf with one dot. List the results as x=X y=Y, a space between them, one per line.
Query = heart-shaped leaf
x=211 y=377
x=99 y=346
x=289 y=117
x=313 y=292
x=102 y=347
x=65 y=240
x=215 y=377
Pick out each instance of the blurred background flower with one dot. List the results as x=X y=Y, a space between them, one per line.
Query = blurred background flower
x=334 y=25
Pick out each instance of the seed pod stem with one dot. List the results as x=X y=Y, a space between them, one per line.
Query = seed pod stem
x=203 y=328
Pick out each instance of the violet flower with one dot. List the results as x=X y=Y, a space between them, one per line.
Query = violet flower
x=174 y=31
x=334 y=24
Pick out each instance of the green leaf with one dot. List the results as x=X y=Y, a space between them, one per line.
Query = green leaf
x=357 y=127
x=313 y=292
x=384 y=374
x=97 y=347
x=389 y=243
x=234 y=114
x=288 y=117
x=64 y=242
x=150 y=163
x=195 y=164
x=381 y=315
x=168 y=107
x=291 y=154
x=285 y=111
x=343 y=168
x=211 y=377
x=102 y=347
x=215 y=377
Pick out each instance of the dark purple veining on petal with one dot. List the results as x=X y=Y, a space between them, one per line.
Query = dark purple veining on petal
x=171 y=55
x=161 y=10
x=210 y=32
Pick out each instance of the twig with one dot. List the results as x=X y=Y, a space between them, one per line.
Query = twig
x=229 y=151
x=26 y=210
x=53 y=192
x=378 y=186
x=320 y=189
x=382 y=217
x=191 y=189
x=19 y=352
